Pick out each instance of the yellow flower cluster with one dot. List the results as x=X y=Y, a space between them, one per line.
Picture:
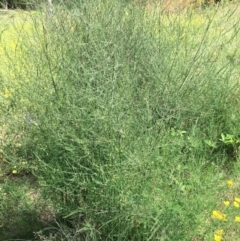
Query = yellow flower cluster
x=237 y=219
x=218 y=215
x=226 y=203
x=218 y=235
x=237 y=199
x=236 y=203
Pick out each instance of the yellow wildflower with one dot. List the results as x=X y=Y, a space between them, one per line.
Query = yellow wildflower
x=237 y=219
x=229 y=183
x=14 y=171
x=217 y=237
x=237 y=199
x=218 y=215
x=236 y=204
x=226 y=203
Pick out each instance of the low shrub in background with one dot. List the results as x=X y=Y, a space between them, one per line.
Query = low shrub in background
x=20 y=4
x=173 y=6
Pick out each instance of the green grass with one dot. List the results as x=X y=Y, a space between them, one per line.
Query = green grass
x=127 y=119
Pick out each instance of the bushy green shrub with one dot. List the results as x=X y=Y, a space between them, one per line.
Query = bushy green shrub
x=118 y=101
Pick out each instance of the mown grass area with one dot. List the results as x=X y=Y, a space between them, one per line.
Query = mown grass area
x=120 y=122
